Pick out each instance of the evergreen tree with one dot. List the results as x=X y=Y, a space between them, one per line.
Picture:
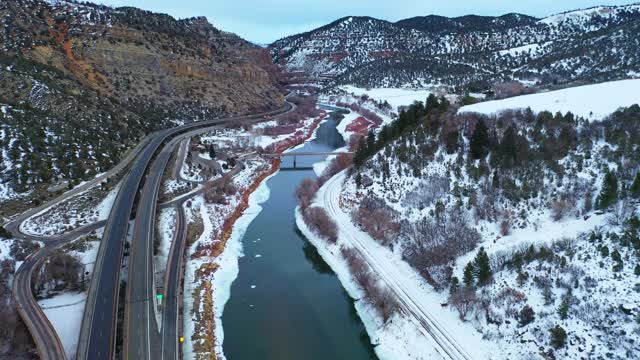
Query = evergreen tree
x=609 y=193
x=432 y=102
x=4 y=233
x=467 y=276
x=455 y=285
x=479 y=141
x=558 y=337
x=482 y=267
x=526 y=316
x=358 y=180
x=212 y=152
x=635 y=187
x=507 y=151
x=563 y=309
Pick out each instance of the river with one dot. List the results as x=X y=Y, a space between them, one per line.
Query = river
x=286 y=303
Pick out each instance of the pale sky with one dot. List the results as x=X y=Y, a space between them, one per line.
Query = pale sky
x=264 y=21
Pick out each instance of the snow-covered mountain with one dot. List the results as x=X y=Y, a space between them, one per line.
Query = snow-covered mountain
x=600 y=43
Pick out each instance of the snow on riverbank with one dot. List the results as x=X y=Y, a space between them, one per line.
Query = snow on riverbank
x=394 y=96
x=394 y=341
x=400 y=338
x=228 y=261
x=593 y=102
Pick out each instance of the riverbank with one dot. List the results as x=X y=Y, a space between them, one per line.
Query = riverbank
x=213 y=264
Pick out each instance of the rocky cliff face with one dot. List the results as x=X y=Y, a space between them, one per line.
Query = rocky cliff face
x=81 y=82
x=135 y=55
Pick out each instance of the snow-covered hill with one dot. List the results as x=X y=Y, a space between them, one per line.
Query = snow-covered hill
x=592 y=102
x=599 y=43
x=525 y=224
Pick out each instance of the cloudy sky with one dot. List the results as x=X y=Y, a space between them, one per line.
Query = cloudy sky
x=263 y=21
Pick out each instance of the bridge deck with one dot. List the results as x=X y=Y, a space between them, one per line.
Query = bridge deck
x=308 y=154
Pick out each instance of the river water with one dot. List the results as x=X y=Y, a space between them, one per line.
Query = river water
x=286 y=303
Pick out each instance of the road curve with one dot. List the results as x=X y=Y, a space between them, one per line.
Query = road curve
x=44 y=335
x=410 y=303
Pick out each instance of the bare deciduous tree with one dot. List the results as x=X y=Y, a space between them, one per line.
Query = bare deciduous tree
x=305 y=192
x=464 y=300
x=318 y=220
x=377 y=219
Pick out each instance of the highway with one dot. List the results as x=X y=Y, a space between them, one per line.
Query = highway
x=173 y=273
x=99 y=325
x=47 y=341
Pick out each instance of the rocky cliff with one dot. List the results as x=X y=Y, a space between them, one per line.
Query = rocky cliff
x=81 y=82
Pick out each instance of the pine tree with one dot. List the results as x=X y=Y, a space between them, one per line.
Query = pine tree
x=609 y=192
x=563 y=309
x=479 y=141
x=558 y=337
x=432 y=102
x=467 y=276
x=526 y=316
x=482 y=267
x=212 y=152
x=455 y=285
x=635 y=187
x=507 y=149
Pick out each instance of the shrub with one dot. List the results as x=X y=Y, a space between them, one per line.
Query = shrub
x=339 y=163
x=305 y=192
x=464 y=300
x=558 y=336
x=4 y=233
x=526 y=316
x=559 y=209
x=318 y=220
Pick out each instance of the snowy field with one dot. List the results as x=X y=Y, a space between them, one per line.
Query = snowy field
x=65 y=313
x=395 y=97
x=593 y=102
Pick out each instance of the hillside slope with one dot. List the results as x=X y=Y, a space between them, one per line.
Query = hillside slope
x=583 y=45
x=82 y=82
x=525 y=225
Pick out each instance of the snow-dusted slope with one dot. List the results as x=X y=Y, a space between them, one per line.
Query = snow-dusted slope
x=593 y=102
x=583 y=44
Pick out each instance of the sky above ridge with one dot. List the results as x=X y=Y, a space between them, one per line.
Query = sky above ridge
x=264 y=21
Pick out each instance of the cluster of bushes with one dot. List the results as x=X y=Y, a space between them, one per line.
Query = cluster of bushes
x=316 y=218
x=433 y=244
x=370 y=115
x=378 y=296
x=216 y=192
x=62 y=272
x=19 y=250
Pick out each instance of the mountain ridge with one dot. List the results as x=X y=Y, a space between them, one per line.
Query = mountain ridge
x=346 y=50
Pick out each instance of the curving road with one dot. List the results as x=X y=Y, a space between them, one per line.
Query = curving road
x=44 y=335
x=410 y=302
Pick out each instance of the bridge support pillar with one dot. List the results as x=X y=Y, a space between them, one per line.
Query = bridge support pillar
x=294 y=162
